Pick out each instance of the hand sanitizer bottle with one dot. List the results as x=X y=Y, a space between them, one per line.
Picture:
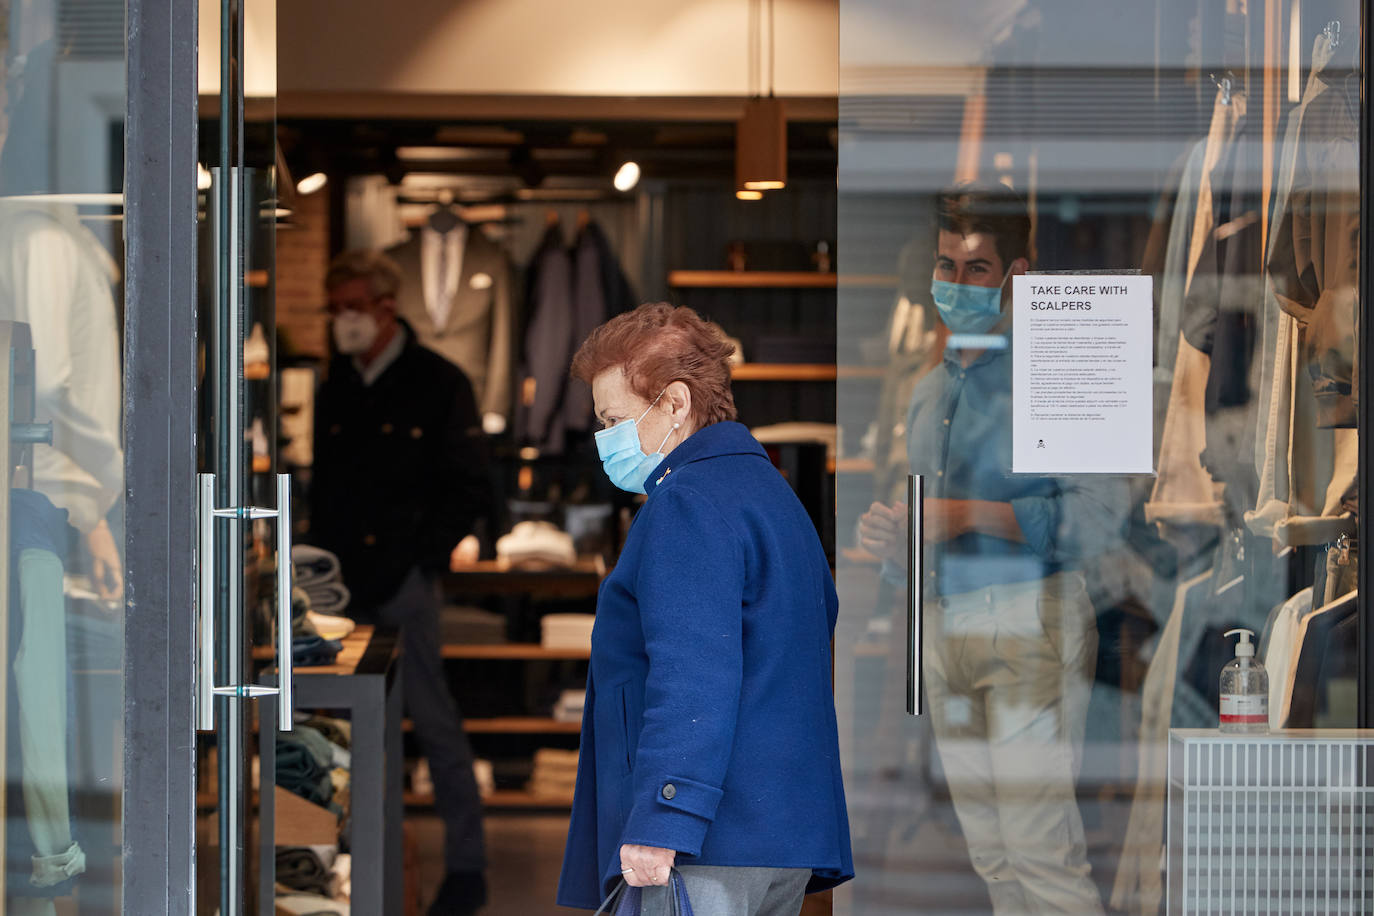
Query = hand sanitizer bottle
x=1244 y=690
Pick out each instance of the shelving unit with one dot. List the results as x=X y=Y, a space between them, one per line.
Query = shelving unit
x=514 y=725
x=492 y=577
x=773 y=279
x=513 y=651
x=501 y=798
x=784 y=372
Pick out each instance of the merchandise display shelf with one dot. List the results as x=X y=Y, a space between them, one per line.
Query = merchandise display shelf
x=751 y=279
x=784 y=372
x=774 y=279
x=514 y=725
x=852 y=466
x=514 y=651
x=501 y=798
x=498 y=577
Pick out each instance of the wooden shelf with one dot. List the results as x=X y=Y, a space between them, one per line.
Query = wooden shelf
x=513 y=725
x=874 y=372
x=784 y=372
x=852 y=466
x=750 y=279
x=515 y=651
x=497 y=577
x=774 y=279
x=501 y=798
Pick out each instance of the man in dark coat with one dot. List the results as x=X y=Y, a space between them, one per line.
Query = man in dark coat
x=399 y=480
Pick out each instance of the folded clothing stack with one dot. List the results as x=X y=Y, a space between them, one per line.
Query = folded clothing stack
x=314 y=651
x=310 y=905
x=471 y=626
x=555 y=772
x=569 y=706
x=566 y=631
x=536 y=544
x=312 y=765
x=319 y=576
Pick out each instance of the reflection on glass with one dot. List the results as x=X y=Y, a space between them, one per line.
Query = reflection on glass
x=61 y=569
x=1071 y=621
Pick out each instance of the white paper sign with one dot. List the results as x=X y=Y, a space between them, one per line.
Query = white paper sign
x=1082 y=348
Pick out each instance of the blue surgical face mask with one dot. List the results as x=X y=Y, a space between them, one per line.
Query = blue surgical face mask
x=967 y=309
x=623 y=457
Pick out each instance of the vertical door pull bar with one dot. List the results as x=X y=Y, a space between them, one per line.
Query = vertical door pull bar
x=206 y=689
x=915 y=589
x=284 y=577
x=205 y=602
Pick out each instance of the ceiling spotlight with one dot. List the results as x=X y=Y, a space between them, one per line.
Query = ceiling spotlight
x=748 y=194
x=311 y=183
x=627 y=177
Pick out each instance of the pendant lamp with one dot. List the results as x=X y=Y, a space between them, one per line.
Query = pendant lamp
x=761 y=133
x=761 y=146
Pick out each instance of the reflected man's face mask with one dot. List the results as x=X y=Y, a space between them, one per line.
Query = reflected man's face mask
x=623 y=457
x=968 y=309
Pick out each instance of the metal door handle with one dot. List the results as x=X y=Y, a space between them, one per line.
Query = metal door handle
x=205 y=602
x=284 y=571
x=915 y=589
x=206 y=688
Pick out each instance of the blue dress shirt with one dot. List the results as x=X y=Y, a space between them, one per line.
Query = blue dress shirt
x=958 y=434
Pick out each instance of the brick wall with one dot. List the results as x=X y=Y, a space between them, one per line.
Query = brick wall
x=302 y=258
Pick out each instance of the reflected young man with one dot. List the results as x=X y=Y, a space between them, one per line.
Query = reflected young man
x=1011 y=637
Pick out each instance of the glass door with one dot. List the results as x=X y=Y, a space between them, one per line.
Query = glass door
x=62 y=586
x=244 y=595
x=1104 y=259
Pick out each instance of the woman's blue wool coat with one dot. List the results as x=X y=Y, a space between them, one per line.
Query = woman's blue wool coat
x=709 y=725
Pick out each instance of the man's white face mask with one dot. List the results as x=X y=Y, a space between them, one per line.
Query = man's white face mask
x=354 y=332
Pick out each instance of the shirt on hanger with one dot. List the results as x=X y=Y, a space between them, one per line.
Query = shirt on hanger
x=441 y=266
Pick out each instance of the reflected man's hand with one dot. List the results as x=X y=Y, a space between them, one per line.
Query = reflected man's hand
x=882 y=532
x=107 y=570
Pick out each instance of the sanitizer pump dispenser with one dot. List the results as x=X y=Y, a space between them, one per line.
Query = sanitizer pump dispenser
x=1244 y=690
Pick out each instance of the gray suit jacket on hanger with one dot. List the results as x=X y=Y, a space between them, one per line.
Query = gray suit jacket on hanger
x=479 y=334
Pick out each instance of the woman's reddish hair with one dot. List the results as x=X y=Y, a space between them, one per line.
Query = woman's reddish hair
x=658 y=344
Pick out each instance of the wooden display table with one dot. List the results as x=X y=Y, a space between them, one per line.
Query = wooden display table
x=362 y=680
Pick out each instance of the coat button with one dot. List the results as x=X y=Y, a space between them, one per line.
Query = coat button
x=669 y=790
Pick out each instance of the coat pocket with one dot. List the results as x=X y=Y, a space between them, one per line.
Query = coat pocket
x=631 y=721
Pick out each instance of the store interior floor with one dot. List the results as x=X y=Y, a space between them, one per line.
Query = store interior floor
x=524 y=853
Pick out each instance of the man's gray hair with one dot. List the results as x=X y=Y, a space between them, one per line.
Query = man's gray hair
x=380 y=271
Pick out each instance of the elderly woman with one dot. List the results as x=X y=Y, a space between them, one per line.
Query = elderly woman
x=708 y=740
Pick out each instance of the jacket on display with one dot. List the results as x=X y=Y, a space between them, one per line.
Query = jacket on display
x=709 y=725
x=1314 y=267
x=478 y=326
x=1184 y=491
x=400 y=467
x=1307 y=474
x=571 y=292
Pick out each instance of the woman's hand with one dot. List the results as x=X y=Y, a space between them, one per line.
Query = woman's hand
x=646 y=865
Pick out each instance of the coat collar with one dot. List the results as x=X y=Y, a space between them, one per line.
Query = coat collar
x=724 y=438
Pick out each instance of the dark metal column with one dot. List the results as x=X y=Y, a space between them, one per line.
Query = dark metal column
x=160 y=465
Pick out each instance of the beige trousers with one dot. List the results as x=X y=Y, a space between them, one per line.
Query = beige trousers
x=1009 y=671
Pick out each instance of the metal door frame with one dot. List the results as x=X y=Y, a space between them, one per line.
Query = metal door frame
x=160 y=457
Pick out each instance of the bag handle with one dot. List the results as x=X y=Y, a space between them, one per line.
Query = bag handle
x=624 y=900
